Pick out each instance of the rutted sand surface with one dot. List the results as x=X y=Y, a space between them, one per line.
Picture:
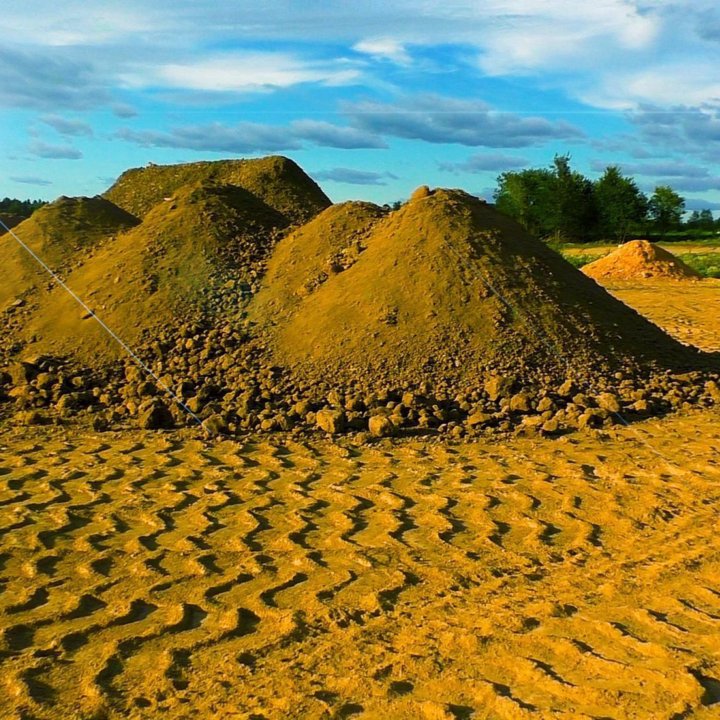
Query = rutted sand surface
x=154 y=576
x=689 y=311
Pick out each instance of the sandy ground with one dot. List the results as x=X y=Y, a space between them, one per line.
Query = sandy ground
x=149 y=575
x=689 y=311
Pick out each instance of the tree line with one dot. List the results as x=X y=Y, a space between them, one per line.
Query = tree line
x=23 y=208
x=560 y=204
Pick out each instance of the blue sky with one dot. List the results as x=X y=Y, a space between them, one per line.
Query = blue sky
x=371 y=98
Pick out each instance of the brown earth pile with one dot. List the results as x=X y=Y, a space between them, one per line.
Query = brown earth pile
x=640 y=259
x=445 y=290
x=277 y=181
x=198 y=253
x=444 y=316
x=62 y=234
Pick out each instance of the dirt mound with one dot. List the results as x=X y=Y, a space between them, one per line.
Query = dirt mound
x=61 y=233
x=302 y=262
x=640 y=259
x=198 y=253
x=446 y=290
x=277 y=181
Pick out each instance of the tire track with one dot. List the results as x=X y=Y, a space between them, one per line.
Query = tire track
x=148 y=576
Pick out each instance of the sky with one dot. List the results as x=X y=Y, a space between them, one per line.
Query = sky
x=371 y=98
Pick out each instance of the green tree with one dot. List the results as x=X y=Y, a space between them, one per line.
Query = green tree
x=666 y=208
x=706 y=221
x=694 y=220
x=24 y=208
x=620 y=204
x=529 y=197
x=576 y=209
x=555 y=201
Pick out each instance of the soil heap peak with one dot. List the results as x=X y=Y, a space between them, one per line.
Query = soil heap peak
x=278 y=181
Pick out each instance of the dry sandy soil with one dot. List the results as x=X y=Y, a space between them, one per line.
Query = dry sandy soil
x=149 y=575
x=689 y=311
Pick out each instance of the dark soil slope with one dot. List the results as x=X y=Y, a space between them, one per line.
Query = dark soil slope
x=61 y=234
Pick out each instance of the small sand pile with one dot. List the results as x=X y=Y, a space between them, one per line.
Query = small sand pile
x=62 y=234
x=640 y=259
x=445 y=290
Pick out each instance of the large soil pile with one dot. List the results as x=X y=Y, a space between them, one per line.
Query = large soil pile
x=62 y=234
x=197 y=254
x=445 y=290
x=277 y=181
x=206 y=231
x=640 y=259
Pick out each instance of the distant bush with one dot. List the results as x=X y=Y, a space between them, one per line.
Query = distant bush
x=24 y=208
x=707 y=264
x=579 y=260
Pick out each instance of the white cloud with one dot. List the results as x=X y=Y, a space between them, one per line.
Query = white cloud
x=66 y=126
x=612 y=53
x=486 y=162
x=246 y=137
x=563 y=35
x=215 y=137
x=683 y=82
x=48 y=24
x=350 y=176
x=54 y=152
x=243 y=72
x=441 y=120
x=30 y=180
x=384 y=49
x=328 y=135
